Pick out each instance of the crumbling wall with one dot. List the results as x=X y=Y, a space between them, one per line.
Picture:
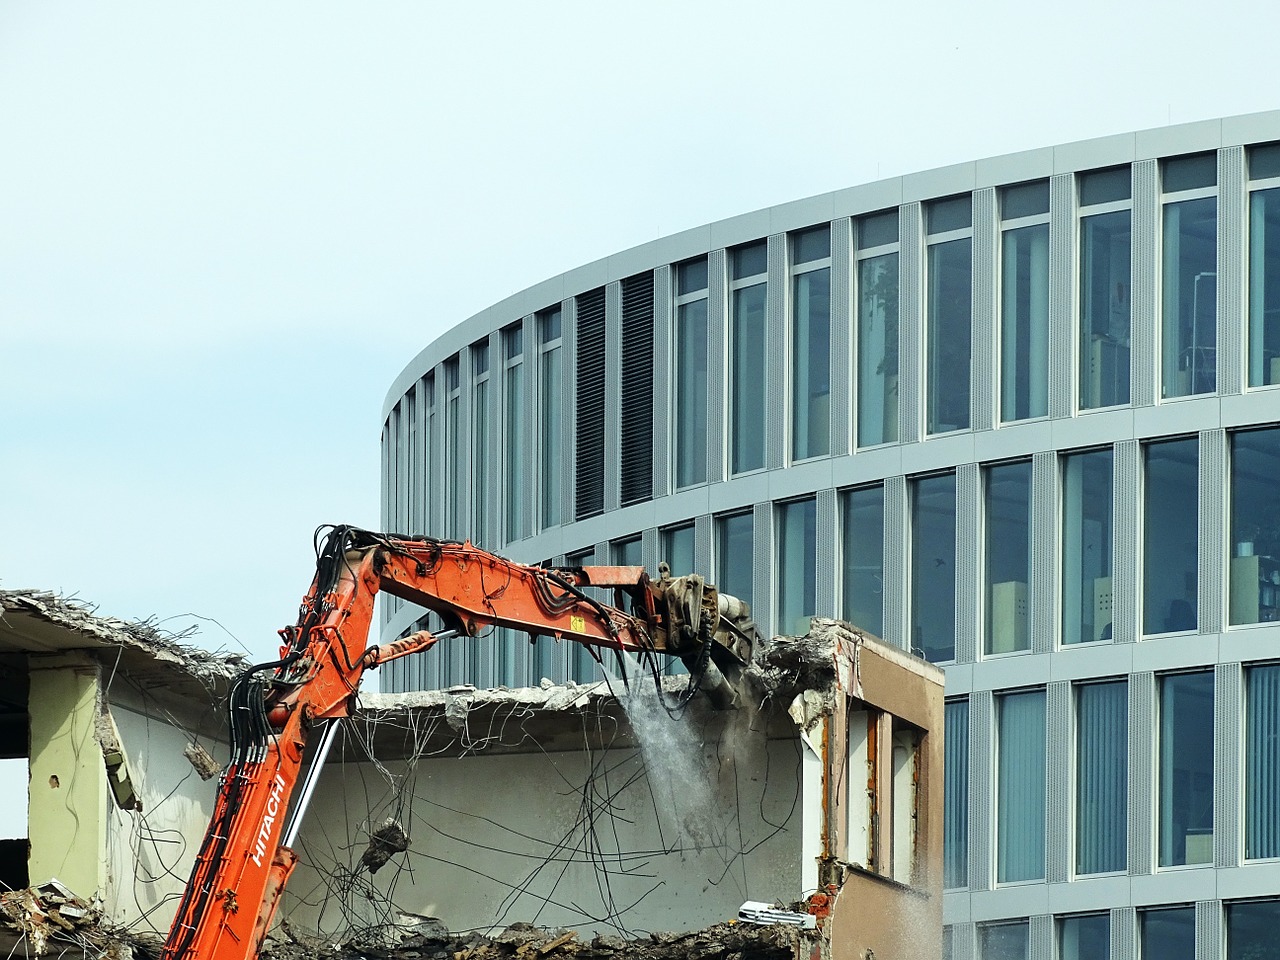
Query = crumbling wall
x=150 y=847
x=548 y=811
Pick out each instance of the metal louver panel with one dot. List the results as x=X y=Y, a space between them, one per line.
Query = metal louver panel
x=636 y=463
x=1144 y=282
x=986 y=333
x=1232 y=202
x=1228 y=708
x=588 y=414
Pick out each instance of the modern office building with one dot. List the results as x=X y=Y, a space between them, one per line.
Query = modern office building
x=1020 y=416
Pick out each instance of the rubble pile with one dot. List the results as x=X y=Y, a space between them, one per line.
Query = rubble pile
x=522 y=941
x=49 y=917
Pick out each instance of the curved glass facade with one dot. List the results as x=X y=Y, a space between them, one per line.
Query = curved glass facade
x=1019 y=416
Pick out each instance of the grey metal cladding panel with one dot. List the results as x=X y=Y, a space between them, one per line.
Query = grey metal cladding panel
x=963 y=941
x=1044 y=551
x=495 y=523
x=466 y=383
x=828 y=526
x=1228 y=708
x=1058 y=857
x=663 y=338
x=1142 y=718
x=612 y=394
x=569 y=401
x=1040 y=939
x=1214 y=484
x=841 y=353
x=968 y=561
x=1124 y=933
x=981 y=760
x=1209 y=930
x=1062 y=289
x=896 y=532
x=717 y=363
x=762 y=548
x=777 y=383
x=437 y=491
x=1126 y=497
x=529 y=341
x=911 y=320
x=1232 y=244
x=703 y=552
x=651 y=550
x=986 y=239
x=1145 y=282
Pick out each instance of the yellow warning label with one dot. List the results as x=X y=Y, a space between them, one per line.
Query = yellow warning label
x=577 y=624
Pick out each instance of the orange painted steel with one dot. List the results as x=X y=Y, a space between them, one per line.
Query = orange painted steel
x=240 y=874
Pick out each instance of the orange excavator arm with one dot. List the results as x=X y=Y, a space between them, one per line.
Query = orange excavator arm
x=276 y=708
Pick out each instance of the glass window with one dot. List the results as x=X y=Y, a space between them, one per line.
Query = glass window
x=862 y=546
x=1264 y=265
x=1262 y=762
x=677 y=550
x=1102 y=776
x=1168 y=934
x=1020 y=786
x=1105 y=186
x=1086 y=547
x=955 y=796
x=1025 y=200
x=1003 y=941
x=1085 y=937
x=1255 y=526
x=628 y=553
x=1105 y=251
x=878 y=230
x=877 y=278
x=949 y=318
x=797 y=563
x=480 y=444
x=1024 y=322
x=1008 y=508
x=1190 y=173
x=811 y=344
x=549 y=415
x=1190 y=275
x=933 y=567
x=1264 y=287
x=735 y=569
x=582 y=665
x=1186 y=769
x=513 y=452
x=1251 y=930
x=747 y=337
x=691 y=375
x=1170 y=536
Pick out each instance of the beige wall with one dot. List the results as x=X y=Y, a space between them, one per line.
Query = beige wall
x=68 y=798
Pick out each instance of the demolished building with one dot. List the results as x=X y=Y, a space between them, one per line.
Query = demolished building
x=449 y=821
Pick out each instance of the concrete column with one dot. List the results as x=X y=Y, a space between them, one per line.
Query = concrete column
x=68 y=789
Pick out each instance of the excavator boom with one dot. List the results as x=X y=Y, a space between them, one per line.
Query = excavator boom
x=276 y=708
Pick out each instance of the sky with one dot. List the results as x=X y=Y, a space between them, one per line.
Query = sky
x=226 y=227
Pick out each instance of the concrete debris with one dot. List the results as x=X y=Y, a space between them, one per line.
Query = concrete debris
x=50 y=916
x=522 y=941
x=198 y=757
x=387 y=840
x=145 y=636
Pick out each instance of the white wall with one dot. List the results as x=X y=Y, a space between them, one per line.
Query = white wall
x=150 y=852
x=563 y=838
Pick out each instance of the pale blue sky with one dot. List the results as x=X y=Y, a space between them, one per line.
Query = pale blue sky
x=225 y=227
